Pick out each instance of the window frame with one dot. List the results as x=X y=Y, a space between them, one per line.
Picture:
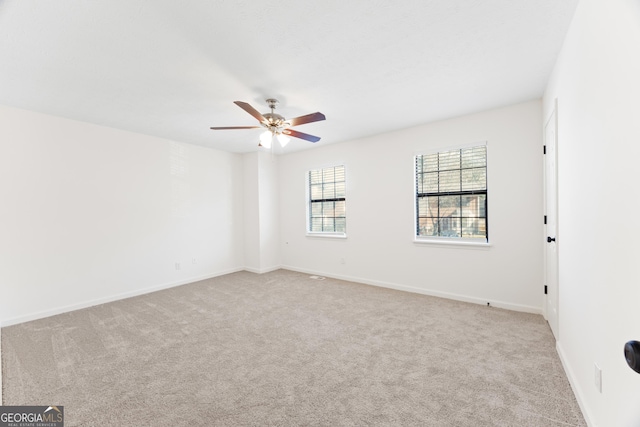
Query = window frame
x=308 y=202
x=446 y=240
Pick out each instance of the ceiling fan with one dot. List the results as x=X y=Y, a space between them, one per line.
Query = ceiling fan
x=277 y=126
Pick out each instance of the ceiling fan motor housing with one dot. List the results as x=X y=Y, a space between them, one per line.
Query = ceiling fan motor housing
x=275 y=122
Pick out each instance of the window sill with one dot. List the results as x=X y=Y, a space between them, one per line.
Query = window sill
x=452 y=242
x=328 y=235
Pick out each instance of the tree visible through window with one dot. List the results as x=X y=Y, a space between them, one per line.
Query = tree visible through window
x=451 y=194
x=327 y=200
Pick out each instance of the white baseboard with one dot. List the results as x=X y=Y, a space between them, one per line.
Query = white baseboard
x=111 y=298
x=577 y=391
x=262 y=270
x=430 y=292
x=85 y=304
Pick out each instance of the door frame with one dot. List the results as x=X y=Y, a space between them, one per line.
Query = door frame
x=552 y=116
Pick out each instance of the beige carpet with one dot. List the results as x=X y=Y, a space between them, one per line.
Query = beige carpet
x=280 y=349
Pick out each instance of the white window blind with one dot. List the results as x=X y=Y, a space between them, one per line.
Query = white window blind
x=451 y=194
x=327 y=200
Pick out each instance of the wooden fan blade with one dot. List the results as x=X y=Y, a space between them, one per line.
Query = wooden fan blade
x=234 y=127
x=309 y=118
x=301 y=135
x=249 y=109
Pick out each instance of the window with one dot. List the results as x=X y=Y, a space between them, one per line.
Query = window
x=327 y=201
x=451 y=195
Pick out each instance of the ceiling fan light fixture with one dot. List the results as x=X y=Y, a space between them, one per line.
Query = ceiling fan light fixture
x=265 y=139
x=283 y=140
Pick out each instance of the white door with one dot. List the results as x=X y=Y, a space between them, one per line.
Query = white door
x=551 y=205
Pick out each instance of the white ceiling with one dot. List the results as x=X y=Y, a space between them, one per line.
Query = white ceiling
x=173 y=69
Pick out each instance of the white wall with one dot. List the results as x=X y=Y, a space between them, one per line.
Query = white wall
x=261 y=212
x=269 y=200
x=251 y=212
x=597 y=84
x=90 y=214
x=379 y=248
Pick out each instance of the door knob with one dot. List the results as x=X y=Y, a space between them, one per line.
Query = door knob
x=632 y=354
x=550 y=239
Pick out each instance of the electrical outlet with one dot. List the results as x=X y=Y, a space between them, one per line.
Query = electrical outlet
x=597 y=377
x=177 y=266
